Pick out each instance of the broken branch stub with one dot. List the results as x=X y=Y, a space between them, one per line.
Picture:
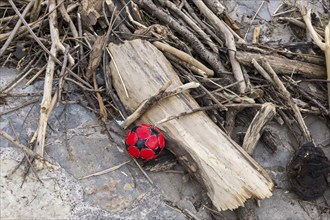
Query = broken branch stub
x=252 y=136
x=227 y=172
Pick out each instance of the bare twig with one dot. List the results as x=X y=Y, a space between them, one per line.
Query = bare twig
x=68 y=19
x=21 y=94
x=19 y=107
x=144 y=105
x=36 y=75
x=17 y=82
x=130 y=18
x=161 y=94
x=105 y=171
x=144 y=172
x=184 y=56
x=177 y=60
x=189 y=112
x=230 y=43
x=299 y=23
x=279 y=85
x=252 y=20
x=205 y=54
x=26 y=150
x=201 y=23
x=36 y=9
x=47 y=98
x=15 y=29
x=62 y=74
x=191 y=23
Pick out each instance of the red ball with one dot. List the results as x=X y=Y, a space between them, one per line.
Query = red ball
x=145 y=141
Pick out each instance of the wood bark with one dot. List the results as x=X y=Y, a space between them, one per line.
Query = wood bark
x=228 y=173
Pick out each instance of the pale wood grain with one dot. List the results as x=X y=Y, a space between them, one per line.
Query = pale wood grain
x=229 y=174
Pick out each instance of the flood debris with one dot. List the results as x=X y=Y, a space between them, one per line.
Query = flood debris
x=234 y=68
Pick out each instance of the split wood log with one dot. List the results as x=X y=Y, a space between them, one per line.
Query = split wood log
x=228 y=173
x=283 y=65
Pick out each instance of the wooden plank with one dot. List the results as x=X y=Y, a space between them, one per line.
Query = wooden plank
x=228 y=173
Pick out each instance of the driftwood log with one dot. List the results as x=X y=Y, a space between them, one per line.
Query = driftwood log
x=284 y=66
x=228 y=173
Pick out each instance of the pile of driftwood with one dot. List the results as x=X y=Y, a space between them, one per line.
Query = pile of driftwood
x=135 y=60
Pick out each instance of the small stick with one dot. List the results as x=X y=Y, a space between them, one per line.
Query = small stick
x=191 y=111
x=161 y=94
x=25 y=155
x=130 y=18
x=36 y=10
x=62 y=74
x=238 y=38
x=105 y=171
x=191 y=12
x=208 y=93
x=18 y=107
x=176 y=60
x=103 y=110
x=221 y=87
x=27 y=150
x=68 y=19
x=298 y=23
x=47 y=97
x=225 y=87
x=284 y=65
x=82 y=86
x=307 y=96
x=59 y=44
x=220 y=26
x=182 y=30
x=24 y=94
x=183 y=56
x=36 y=75
x=185 y=212
x=109 y=88
x=278 y=83
x=261 y=70
x=17 y=82
x=277 y=9
x=253 y=133
x=192 y=24
x=252 y=20
x=28 y=67
x=283 y=12
x=144 y=105
x=144 y=172
x=80 y=32
x=231 y=115
x=15 y=29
